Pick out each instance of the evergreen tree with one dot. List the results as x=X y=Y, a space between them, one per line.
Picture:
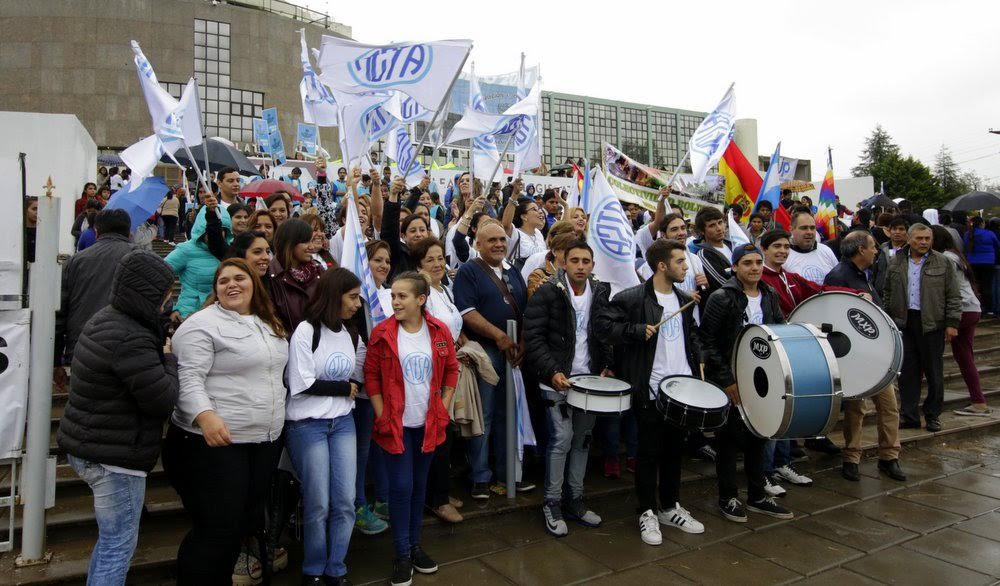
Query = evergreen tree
x=946 y=172
x=878 y=148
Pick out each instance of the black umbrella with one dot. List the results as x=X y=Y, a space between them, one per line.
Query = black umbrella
x=974 y=200
x=220 y=156
x=879 y=201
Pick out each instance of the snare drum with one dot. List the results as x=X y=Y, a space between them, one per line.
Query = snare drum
x=599 y=394
x=788 y=381
x=867 y=344
x=691 y=403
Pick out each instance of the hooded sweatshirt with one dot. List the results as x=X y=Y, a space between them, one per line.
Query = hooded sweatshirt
x=195 y=265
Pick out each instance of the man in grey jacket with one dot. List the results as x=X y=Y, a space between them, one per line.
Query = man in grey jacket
x=86 y=283
x=922 y=296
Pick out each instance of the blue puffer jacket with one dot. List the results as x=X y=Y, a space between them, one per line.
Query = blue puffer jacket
x=986 y=249
x=195 y=264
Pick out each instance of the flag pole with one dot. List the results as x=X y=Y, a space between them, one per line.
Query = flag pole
x=204 y=152
x=506 y=147
x=427 y=129
x=194 y=163
x=678 y=169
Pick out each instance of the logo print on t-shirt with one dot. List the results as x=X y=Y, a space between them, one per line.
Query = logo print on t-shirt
x=339 y=366
x=672 y=329
x=814 y=274
x=417 y=368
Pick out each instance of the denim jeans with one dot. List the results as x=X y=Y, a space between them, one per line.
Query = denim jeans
x=364 y=420
x=118 y=502
x=777 y=453
x=407 y=489
x=570 y=432
x=325 y=458
x=494 y=401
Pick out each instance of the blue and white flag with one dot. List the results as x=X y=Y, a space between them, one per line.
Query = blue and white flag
x=770 y=189
x=736 y=233
x=710 y=140
x=609 y=234
x=260 y=135
x=318 y=105
x=363 y=120
x=527 y=145
x=173 y=121
x=355 y=259
x=399 y=148
x=485 y=157
x=474 y=124
x=142 y=157
x=423 y=71
x=405 y=109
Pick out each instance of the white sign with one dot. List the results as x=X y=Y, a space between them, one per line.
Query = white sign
x=14 y=336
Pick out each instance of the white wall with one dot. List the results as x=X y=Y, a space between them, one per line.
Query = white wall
x=56 y=145
x=850 y=190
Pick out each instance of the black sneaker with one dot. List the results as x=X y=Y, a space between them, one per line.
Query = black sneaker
x=849 y=470
x=421 y=561
x=733 y=510
x=313 y=581
x=767 y=506
x=402 y=572
x=705 y=453
x=933 y=424
x=481 y=491
x=339 y=581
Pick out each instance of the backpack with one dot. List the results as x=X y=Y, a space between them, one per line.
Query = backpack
x=318 y=331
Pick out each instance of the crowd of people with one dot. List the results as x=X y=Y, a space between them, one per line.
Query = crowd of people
x=276 y=381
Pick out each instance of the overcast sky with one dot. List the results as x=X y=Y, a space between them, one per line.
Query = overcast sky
x=812 y=73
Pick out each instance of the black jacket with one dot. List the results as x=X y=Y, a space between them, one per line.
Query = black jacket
x=624 y=326
x=399 y=255
x=123 y=386
x=717 y=267
x=86 y=280
x=723 y=320
x=550 y=329
x=847 y=274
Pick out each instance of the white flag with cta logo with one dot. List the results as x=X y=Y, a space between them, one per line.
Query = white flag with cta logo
x=712 y=136
x=318 y=105
x=425 y=71
x=609 y=234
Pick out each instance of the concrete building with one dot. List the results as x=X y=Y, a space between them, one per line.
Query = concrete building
x=73 y=56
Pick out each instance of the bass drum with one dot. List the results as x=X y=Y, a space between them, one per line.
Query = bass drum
x=866 y=342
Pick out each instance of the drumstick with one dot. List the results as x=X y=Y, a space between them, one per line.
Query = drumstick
x=669 y=317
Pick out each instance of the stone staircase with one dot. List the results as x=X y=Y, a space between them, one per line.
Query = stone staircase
x=72 y=530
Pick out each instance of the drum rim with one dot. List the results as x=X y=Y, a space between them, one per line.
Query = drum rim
x=609 y=392
x=895 y=365
x=620 y=398
x=782 y=356
x=659 y=390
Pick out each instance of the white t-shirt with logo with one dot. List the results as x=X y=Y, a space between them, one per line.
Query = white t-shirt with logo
x=335 y=359
x=812 y=265
x=415 y=361
x=754 y=312
x=581 y=353
x=671 y=350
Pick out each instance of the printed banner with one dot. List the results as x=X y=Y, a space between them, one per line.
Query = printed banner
x=640 y=184
x=305 y=139
x=276 y=148
x=14 y=340
x=260 y=135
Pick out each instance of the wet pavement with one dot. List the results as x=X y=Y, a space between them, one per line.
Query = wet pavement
x=939 y=527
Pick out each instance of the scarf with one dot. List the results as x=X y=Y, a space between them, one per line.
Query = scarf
x=305 y=273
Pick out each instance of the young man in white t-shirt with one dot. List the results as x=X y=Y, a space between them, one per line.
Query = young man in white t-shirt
x=644 y=355
x=561 y=343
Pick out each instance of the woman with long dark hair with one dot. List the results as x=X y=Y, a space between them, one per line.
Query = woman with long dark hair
x=293 y=271
x=253 y=248
x=961 y=345
x=222 y=443
x=325 y=372
x=410 y=373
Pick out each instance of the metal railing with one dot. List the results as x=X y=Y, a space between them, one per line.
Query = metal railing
x=295 y=12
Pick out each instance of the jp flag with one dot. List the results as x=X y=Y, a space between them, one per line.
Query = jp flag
x=399 y=148
x=609 y=234
x=172 y=120
x=712 y=137
x=423 y=71
x=355 y=259
x=770 y=191
x=318 y=105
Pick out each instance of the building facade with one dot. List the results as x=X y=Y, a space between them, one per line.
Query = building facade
x=73 y=56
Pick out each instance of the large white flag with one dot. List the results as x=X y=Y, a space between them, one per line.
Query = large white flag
x=475 y=123
x=355 y=259
x=609 y=233
x=362 y=120
x=710 y=140
x=172 y=120
x=399 y=148
x=318 y=105
x=485 y=157
x=141 y=158
x=527 y=146
x=424 y=71
x=406 y=109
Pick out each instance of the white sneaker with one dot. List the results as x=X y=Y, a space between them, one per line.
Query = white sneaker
x=788 y=473
x=649 y=528
x=680 y=518
x=771 y=488
x=554 y=523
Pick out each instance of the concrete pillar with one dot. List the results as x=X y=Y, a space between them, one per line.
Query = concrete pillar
x=746 y=139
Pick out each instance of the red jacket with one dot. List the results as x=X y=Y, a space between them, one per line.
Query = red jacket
x=384 y=377
x=797 y=290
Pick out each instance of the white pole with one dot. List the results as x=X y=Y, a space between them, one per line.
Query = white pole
x=678 y=169
x=44 y=300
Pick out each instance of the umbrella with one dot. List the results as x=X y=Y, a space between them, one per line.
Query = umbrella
x=797 y=186
x=879 y=201
x=141 y=203
x=110 y=159
x=221 y=154
x=265 y=187
x=974 y=200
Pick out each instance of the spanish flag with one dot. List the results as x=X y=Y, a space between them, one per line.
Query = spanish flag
x=742 y=180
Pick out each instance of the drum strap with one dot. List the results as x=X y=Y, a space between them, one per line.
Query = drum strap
x=504 y=290
x=563 y=407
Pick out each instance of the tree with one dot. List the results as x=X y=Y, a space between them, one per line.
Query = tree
x=878 y=148
x=636 y=150
x=971 y=181
x=946 y=172
x=909 y=178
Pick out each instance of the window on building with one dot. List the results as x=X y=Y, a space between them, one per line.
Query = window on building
x=664 y=140
x=688 y=124
x=565 y=126
x=635 y=134
x=603 y=129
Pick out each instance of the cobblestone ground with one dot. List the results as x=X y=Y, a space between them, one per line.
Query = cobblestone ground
x=939 y=527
